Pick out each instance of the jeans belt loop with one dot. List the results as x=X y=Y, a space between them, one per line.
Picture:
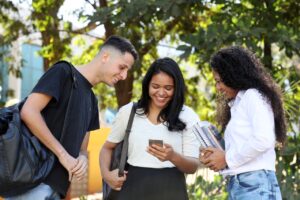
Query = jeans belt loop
x=236 y=178
x=229 y=177
x=266 y=172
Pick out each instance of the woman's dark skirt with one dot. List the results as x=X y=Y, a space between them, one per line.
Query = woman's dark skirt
x=154 y=184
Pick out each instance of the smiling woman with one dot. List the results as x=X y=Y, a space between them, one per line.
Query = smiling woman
x=162 y=146
x=161 y=90
x=252 y=116
x=228 y=92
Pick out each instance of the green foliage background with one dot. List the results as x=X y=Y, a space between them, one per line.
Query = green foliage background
x=196 y=28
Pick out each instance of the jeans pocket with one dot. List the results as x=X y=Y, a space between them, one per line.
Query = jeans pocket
x=250 y=180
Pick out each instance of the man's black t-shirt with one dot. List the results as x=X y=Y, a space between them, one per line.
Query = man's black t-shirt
x=83 y=115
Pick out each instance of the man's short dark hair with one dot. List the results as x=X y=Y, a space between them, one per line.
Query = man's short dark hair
x=121 y=44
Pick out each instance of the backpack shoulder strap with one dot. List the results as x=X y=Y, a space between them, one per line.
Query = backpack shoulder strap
x=72 y=69
x=125 y=142
x=74 y=86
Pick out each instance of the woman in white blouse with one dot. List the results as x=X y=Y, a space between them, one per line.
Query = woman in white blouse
x=155 y=172
x=253 y=118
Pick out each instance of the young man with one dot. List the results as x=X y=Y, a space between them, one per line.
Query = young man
x=45 y=109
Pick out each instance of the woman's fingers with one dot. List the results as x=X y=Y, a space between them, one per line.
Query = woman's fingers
x=157 y=151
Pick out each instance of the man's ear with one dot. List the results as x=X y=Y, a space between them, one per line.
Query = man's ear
x=105 y=56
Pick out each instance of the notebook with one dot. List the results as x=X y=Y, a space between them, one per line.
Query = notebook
x=208 y=135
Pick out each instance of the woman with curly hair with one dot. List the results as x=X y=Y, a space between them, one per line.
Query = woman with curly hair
x=252 y=116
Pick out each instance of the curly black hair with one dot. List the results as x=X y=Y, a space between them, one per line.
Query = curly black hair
x=240 y=69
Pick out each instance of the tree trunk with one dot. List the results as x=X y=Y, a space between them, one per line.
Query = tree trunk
x=109 y=29
x=45 y=42
x=46 y=64
x=124 y=90
x=267 y=59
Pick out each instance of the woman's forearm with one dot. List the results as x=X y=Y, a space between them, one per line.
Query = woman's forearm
x=185 y=164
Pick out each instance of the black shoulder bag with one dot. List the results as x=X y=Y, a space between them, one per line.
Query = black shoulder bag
x=24 y=161
x=118 y=159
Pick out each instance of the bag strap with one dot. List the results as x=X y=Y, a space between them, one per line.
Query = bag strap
x=74 y=86
x=125 y=142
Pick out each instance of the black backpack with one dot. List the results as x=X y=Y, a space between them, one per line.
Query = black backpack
x=24 y=161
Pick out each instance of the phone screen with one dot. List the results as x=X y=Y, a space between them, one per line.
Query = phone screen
x=157 y=142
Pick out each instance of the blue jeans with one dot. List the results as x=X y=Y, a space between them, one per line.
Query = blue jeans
x=258 y=185
x=40 y=192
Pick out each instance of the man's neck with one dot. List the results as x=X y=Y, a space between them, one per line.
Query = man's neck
x=88 y=71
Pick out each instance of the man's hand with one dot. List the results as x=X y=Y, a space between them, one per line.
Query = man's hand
x=162 y=153
x=80 y=169
x=68 y=162
x=213 y=158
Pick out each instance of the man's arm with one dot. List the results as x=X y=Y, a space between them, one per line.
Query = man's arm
x=32 y=117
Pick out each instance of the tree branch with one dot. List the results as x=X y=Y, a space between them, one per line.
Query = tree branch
x=94 y=5
x=87 y=28
x=81 y=33
x=147 y=46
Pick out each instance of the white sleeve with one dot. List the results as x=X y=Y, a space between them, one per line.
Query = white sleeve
x=261 y=116
x=190 y=143
x=119 y=125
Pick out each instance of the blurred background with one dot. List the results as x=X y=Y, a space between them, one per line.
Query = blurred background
x=34 y=34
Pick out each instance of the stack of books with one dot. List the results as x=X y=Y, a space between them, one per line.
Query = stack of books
x=208 y=135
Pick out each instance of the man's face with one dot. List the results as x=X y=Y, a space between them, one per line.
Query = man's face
x=117 y=67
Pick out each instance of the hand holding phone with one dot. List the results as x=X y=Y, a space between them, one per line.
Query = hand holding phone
x=163 y=152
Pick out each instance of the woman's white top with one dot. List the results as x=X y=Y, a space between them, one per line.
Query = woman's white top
x=183 y=142
x=250 y=134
